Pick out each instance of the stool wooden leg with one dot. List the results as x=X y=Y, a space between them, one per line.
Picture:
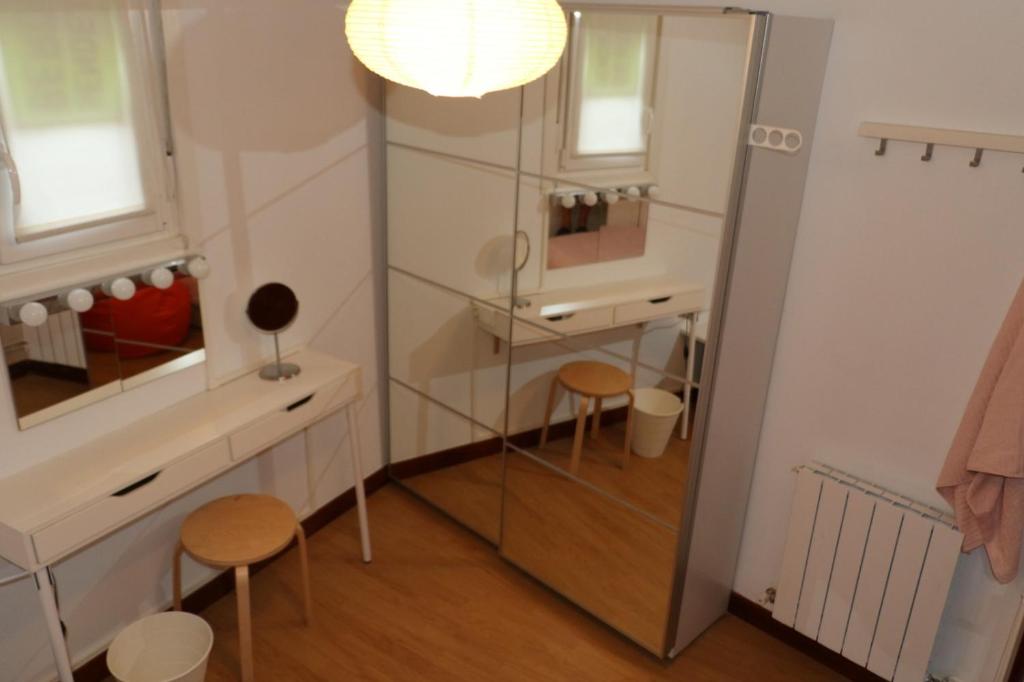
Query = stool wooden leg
x=595 y=427
x=577 y=442
x=549 y=411
x=244 y=622
x=629 y=432
x=304 y=556
x=176 y=576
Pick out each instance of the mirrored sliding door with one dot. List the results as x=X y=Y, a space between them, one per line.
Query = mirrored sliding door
x=451 y=167
x=630 y=148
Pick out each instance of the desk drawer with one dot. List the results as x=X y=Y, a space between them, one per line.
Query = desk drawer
x=652 y=309
x=276 y=426
x=130 y=502
x=577 y=322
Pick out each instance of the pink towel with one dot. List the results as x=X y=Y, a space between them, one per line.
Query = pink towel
x=983 y=478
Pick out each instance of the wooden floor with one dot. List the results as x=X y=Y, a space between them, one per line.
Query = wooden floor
x=438 y=603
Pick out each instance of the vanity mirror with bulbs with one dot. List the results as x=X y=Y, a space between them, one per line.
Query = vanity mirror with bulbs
x=70 y=348
x=585 y=278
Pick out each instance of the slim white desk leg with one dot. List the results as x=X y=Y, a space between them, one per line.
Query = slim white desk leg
x=691 y=359
x=48 y=599
x=357 y=473
x=310 y=474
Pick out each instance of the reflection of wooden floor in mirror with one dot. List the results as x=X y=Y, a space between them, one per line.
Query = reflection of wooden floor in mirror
x=107 y=366
x=655 y=485
x=34 y=392
x=437 y=604
x=470 y=492
x=613 y=561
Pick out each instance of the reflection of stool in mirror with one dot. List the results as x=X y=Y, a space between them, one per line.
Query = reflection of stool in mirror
x=236 y=532
x=595 y=380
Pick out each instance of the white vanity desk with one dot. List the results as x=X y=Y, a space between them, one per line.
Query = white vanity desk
x=586 y=309
x=550 y=315
x=54 y=509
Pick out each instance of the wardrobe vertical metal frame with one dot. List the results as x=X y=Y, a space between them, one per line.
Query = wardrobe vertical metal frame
x=726 y=262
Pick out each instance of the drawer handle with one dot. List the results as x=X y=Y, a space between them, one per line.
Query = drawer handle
x=559 y=318
x=299 y=403
x=135 y=486
x=663 y=299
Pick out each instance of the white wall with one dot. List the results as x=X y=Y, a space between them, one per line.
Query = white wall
x=279 y=161
x=901 y=276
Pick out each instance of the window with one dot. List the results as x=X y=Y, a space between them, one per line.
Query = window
x=611 y=92
x=83 y=134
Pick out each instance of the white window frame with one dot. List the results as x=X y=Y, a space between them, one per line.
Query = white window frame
x=157 y=221
x=572 y=160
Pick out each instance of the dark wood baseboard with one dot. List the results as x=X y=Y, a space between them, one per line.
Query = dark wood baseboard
x=443 y=459
x=564 y=429
x=761 y=618
x=461 y=454
x=95 y=669
x=78 y=375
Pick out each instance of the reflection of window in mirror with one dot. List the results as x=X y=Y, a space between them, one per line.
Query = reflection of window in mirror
x=611 y=91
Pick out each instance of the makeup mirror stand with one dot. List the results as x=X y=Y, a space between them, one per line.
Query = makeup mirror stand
x=279 y=371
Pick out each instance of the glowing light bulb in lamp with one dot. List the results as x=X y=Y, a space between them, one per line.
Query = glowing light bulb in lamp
x=457 y=48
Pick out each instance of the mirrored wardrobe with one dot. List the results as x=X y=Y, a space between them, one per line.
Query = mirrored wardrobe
x=564 y=271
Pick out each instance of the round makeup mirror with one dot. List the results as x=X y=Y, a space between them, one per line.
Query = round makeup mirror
x=272 y=308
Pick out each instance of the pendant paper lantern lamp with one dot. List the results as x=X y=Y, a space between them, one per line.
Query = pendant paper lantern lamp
x=457 y=48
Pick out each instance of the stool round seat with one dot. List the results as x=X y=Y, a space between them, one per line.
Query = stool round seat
x=590 y=380
x=596 y=379
x=238 y=530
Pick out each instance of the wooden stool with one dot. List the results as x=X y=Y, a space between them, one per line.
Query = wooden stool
x=235 y=532
x=590 y=380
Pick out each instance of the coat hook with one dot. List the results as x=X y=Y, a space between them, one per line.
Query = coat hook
x=881 y=147
x=976 y=161
x=929 y=148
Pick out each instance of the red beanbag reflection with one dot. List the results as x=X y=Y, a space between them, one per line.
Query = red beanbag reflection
x=152 y=316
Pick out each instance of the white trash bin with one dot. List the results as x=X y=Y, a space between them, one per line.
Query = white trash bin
x=655 y=415
x=165 y=647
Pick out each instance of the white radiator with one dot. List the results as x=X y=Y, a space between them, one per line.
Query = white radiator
x=59 y=341
x=866 y=572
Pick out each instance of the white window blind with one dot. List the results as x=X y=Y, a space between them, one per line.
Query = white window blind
x=616 y=62
x=83 y=128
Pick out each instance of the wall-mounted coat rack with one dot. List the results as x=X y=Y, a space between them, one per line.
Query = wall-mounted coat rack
x=930 y=137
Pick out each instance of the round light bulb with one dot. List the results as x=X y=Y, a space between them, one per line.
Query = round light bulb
x=633 y=193
x=121 y=288
x=33 y=314
x=590 y=199
x=653 y=191
x=198 y=267
x=161 y=278
x=610 y=197
x=79 y=300
x=568 y=200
